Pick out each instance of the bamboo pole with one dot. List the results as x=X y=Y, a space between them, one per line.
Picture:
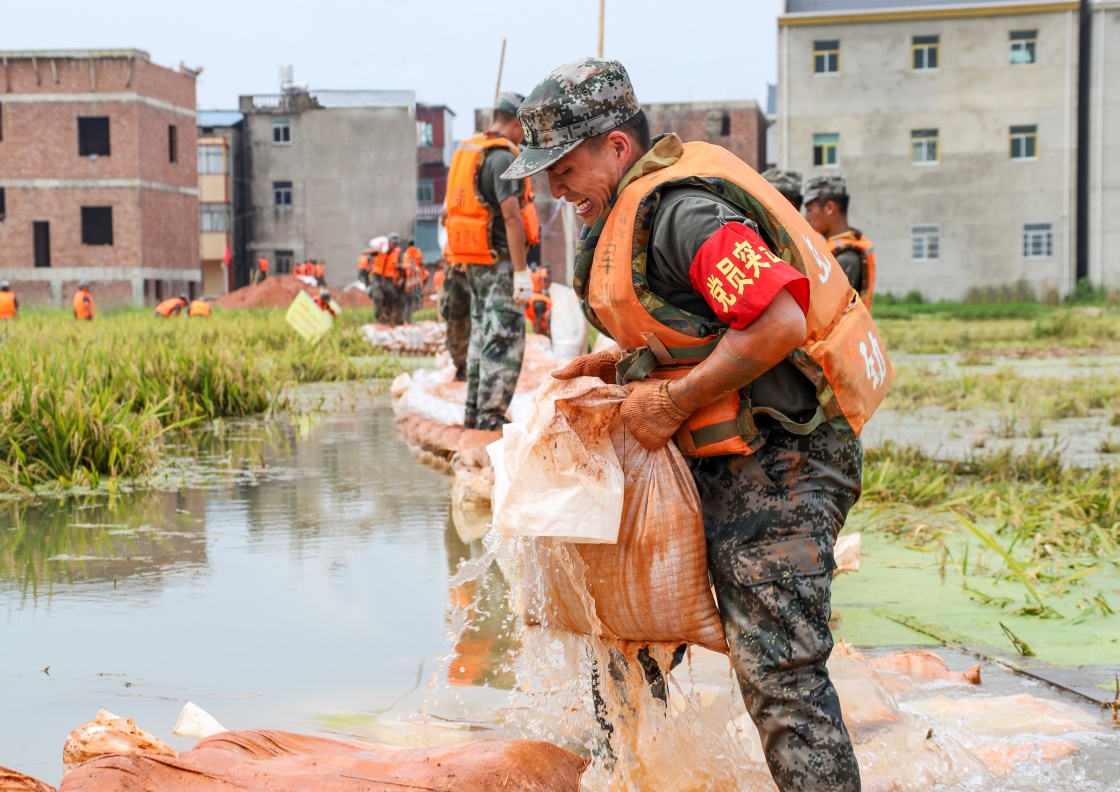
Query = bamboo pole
x=602 y=13
x=501 y=65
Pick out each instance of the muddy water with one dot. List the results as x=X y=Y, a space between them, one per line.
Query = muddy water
x=298 y=580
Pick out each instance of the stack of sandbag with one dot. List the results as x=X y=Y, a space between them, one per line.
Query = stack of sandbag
x=421 y=338
x=634 y=570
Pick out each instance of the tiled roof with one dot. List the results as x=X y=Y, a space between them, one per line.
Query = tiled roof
x=841 y=6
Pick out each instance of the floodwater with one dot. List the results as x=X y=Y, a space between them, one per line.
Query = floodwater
x=295 y=576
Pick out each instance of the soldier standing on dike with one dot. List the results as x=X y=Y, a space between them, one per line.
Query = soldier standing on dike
x=788 y=183
x=679 y=269
x=455 y=308
x=490 y=229
x=826 y=209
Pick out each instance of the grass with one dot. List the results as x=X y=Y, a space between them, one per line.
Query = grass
x=84 y=402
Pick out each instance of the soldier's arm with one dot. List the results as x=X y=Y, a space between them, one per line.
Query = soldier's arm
x=515 y=232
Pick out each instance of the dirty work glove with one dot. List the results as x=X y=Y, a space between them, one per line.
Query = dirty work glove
x=599 y=364
x=650 y=413
x=522 y=287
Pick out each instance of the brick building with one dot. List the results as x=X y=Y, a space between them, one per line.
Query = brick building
x=740 y=127
x=434 y=147
x=98 y=176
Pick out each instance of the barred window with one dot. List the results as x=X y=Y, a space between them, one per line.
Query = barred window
x=1038 y=240
x=925 y=242
x=281 y=193
x=1024 y=47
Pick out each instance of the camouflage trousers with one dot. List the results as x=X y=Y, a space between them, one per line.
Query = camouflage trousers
x=497 y=344
x=455 y=308
x=771 y=520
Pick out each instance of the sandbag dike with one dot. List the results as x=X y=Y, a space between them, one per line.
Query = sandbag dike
x=916 y=721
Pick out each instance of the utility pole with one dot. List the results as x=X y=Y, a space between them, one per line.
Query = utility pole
x=602 y=13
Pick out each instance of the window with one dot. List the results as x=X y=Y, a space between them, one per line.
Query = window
x=1024 y=47
x=41 y=230
x=281 y=193
x=1038 y=240
x=3 y=205
x=425 y=191
x=826 y=150
x=284 y=262
x=925 y=242
x=424 y=133
x=213 y=218
x=1024 y=142
x=924 y=147
x=93 y=136
x=281 y=131
x=97 y=225
x=925 y=52
x=172 y=143
x=826 y=57
x=211 y=159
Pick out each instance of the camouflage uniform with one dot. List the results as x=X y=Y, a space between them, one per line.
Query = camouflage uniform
x=831 y=186
x=455 y=308
x=788 y=183
x=771 y=518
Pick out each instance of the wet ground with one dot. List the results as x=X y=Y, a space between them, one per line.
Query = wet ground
x=297 y=579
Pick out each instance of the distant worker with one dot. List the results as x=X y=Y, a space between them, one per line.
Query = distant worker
x=385 y=271
x=199 y=308
x=491 y=223
x=826 y=209
x=788 y=183
x=9 y=305
x=323 y=300
x=415 y=276
x=454 y=296
x=172 y=307
x=363 y=267
x=320 y=273
x=539 y=308
x=83 y=302
x=262 y=268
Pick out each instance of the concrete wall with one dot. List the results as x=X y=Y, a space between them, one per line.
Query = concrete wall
x=154 y=200
x=353 y=174
x=1104 y=153
x=979 y=196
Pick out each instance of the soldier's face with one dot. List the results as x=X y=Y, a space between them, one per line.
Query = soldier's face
x=817 y=216
x=588 y=175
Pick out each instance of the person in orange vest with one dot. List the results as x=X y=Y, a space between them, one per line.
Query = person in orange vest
x=491 y=223
x=172 y=307
x=262 y=267
x=415 y=276
x=826 y=209
x=718 y=288
x=9 y=305
x=363 y=267
x=320 y=273
x=199 y=308
x=385 y=272
x=323 y=300
x=539 y=313
x=83 y=302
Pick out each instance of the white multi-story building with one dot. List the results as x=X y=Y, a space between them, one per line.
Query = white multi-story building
x=956 y=124
x=1104 y=146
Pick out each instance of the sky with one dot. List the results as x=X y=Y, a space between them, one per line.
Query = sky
x=448 y=52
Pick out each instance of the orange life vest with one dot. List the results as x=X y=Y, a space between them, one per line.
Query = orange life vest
x=199 y=308
x=263 y=264
x=169 y=307
x=469 y=218
x=324 y=305
x=542 y=279
x=415 y=274
x=7 y=305
x=386 y=264
x=539 y=312
x=320 y=270
x=437 y=280
x=854 y=240
x=843 y=354
x=363 y=263
x=83 y=305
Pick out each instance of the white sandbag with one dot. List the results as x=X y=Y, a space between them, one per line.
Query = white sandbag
x=196 y=722
x=559 y=476
x=569 y=328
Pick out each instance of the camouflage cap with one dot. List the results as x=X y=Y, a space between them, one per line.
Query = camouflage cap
x=509 y=102
x=825 y=187
x=787 y=182
x=575 y=102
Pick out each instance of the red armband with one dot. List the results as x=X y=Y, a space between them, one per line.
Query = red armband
x=738 y=276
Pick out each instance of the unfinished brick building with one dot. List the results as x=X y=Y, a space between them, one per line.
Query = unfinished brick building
x=98 y=176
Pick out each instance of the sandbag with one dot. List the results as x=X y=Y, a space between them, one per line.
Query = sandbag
x=109 y=734
x=11 y=781
x=558 y=476
x=652 y=585
x=270 y=760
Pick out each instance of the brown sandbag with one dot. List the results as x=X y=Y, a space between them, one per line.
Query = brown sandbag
x=652 y=585
x=272 y=760
x=11 y=781
x=472 y=447
x=109 y=734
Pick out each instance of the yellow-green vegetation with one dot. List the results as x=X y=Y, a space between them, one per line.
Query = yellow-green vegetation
x=81 y=402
